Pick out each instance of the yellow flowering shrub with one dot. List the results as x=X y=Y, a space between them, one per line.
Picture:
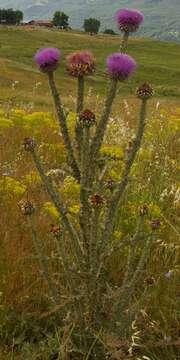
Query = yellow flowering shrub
x=17 y=116
x=48 y=209
x=11 y=188
x=35 y=121
x=38 y=119
x=5 y=123
x=70 y=190
x=113 y=151
x=32 y=178
x=54 y=152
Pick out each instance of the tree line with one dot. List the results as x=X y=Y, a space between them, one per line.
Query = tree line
x=60 y=19
x=11 y=17
x=91 y=25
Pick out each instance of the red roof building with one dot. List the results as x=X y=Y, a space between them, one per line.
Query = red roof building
x=45 y=23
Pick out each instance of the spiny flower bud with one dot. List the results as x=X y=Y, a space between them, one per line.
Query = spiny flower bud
x=145 y=92
x=129 y=20
x=143 y=210
x=155 y=224
x=96 y=200
x=150 y=280
x=29 y=144
x=80 y=63
x=56 y=230
x=27 y=207
x=110 y=184
x=87 y=118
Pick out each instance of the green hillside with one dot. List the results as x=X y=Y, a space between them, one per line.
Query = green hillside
x=158 y=62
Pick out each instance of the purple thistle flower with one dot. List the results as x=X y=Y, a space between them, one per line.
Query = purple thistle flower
x=47 y=59
x=120 y=66
x=129 y=20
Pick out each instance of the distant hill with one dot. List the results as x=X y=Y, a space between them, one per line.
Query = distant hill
x=162 y=16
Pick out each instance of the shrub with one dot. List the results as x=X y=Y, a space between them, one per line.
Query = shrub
x=109 y=32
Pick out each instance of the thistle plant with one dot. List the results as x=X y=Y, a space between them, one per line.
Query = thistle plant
x=128 y=21
x=89 y=234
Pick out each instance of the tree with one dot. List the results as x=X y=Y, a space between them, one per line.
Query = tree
x=60 y=19
x=19 y=16
x=91 y=25
x=10 y=16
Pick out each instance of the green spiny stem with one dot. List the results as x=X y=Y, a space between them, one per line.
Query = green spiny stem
x=101 y=127
x=59 y=206
x=125 y=297
x=119 y=191
x=43 y=261
x=85 y=216
x=79 y=108
x=93 y=264
x=124 y=42
x=63 y=126
x=76 y=305
x=80 y=95
x=63 y=258
x=94 y=239
x=84 y=192
x=131 y=256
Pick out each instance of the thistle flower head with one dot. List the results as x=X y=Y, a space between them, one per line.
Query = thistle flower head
x=47 y=59
x=155 y=224
x=150 y=280
x=143 y=210
x=80 y=63
x=120 y=66
x=129 y=20
x=27 y=207
x=96 y=200
x=29 y=144
x=145 y=92
x=87 y=118
x=110 y=184
x=56 y=230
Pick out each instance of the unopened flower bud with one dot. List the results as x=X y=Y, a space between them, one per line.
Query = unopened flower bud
x=143 y=210
x=155 y=224
x=96 y=200
x=110 y=184
x=150 y=280
x=27 y=208
x=56 y=230
x=29 y=144
x=87 y=118
x=145 y=92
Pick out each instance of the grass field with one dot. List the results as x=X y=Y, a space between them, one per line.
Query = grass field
x=158 y=63
x=26 y=110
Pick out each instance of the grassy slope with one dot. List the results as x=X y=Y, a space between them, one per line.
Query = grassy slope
x=158 y=63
